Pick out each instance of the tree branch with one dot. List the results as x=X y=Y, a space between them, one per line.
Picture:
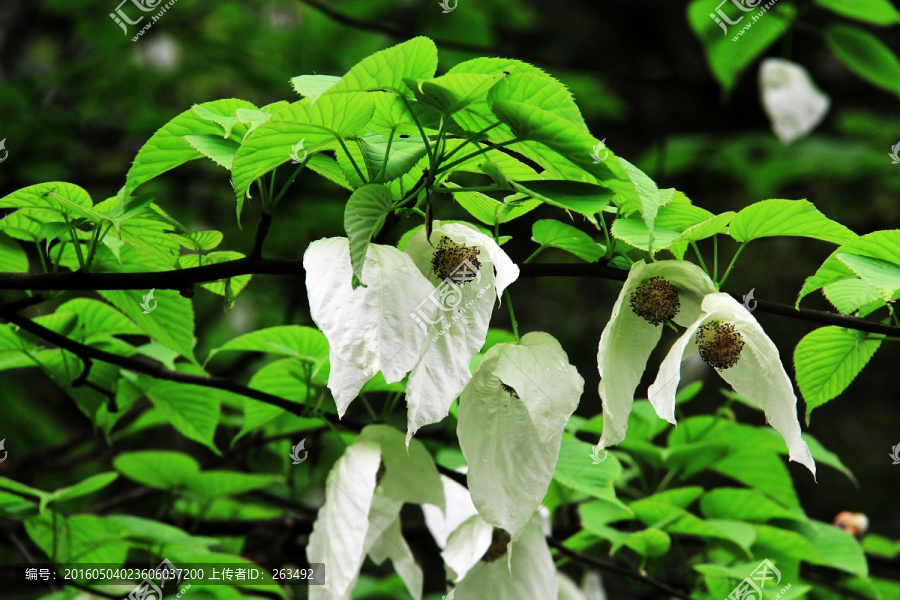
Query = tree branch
x=180 y=279
x=152 y=368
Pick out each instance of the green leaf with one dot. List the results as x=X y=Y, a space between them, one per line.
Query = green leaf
x=409 y=473
x=333 y=117
x=219 y=150
x=831 y=546
x=161 y=469
x=745 y=505
x=304 y=343
x=12 y=256
x=575 y=469
x=79 y=538
x=405 y=153
x=490 y=211
x=584 y=198
x=851 y=295
x=769 y=218
x=549 y=232
x=649 y=542
x=453 y=92
x=328 y=168
x=729 y=52
x=229 y=287
x=876 y=544
x=673 y=519
x=192 y=410
x=313 y=86
x=827 y=360
x=635 y=233
x=880 y=274
x=649 y=197
x=364 y=216
x=171 y=323
x=92 y=484
x=387 y=69
x=876 y=12
x=167 y=149
x=215 y=484
x=882 y=245
x=865 y=55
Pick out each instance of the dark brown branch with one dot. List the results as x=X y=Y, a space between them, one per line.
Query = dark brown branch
x=185 y=278
x=148 y=367
x=265 y=221
x=613 y=567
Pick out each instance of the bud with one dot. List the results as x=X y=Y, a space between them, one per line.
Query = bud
x=852 y=523
x=455 y=262
x=720 y=344
x=656 y=301
x=499 y=540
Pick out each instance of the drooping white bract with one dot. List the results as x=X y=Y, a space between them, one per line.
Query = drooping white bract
x=628 y=339
x=466 y=269
x=368 y=329
x=511 y=418
x=527 y=571
x=361 y=514
x=459 y=508
x=756 y=374
x=791 y=99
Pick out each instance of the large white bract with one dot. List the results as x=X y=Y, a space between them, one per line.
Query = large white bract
x=628 y=339
x=757 y=374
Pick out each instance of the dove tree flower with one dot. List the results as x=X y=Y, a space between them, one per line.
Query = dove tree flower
x=364 y=493
x=511 y=419
x=729 y=339
x=466 y=269
x=653 y=294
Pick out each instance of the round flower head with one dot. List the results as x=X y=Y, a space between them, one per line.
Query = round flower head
x=653 y=294
x=728 y=338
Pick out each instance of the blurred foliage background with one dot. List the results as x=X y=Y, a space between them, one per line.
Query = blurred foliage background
x=78 y=98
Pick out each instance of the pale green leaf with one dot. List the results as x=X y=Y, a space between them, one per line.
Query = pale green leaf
x=161 y=469
x=12 y=256
x=214 y=147
x=364 y=216
x=865 y=55
x=171 y=323
x=769 y=218
x=549 y=232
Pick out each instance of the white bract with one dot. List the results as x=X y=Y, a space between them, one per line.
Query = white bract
x=511 y=418
x=362 y=515
x=628 y=339
x=791 y=99
x=526 y=571
x=369 y=328
x=466 y=270
x=749 y=362
x=459 y=508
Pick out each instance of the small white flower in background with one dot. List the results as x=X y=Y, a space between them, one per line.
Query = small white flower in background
x=368 y=329
x=730 y=340
x=295 y=452
x=657 y=292
x=595 y=153
x=148 y=298
x=442 y=369
x=445 y=4
x=895 y=153
x=793 y=102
